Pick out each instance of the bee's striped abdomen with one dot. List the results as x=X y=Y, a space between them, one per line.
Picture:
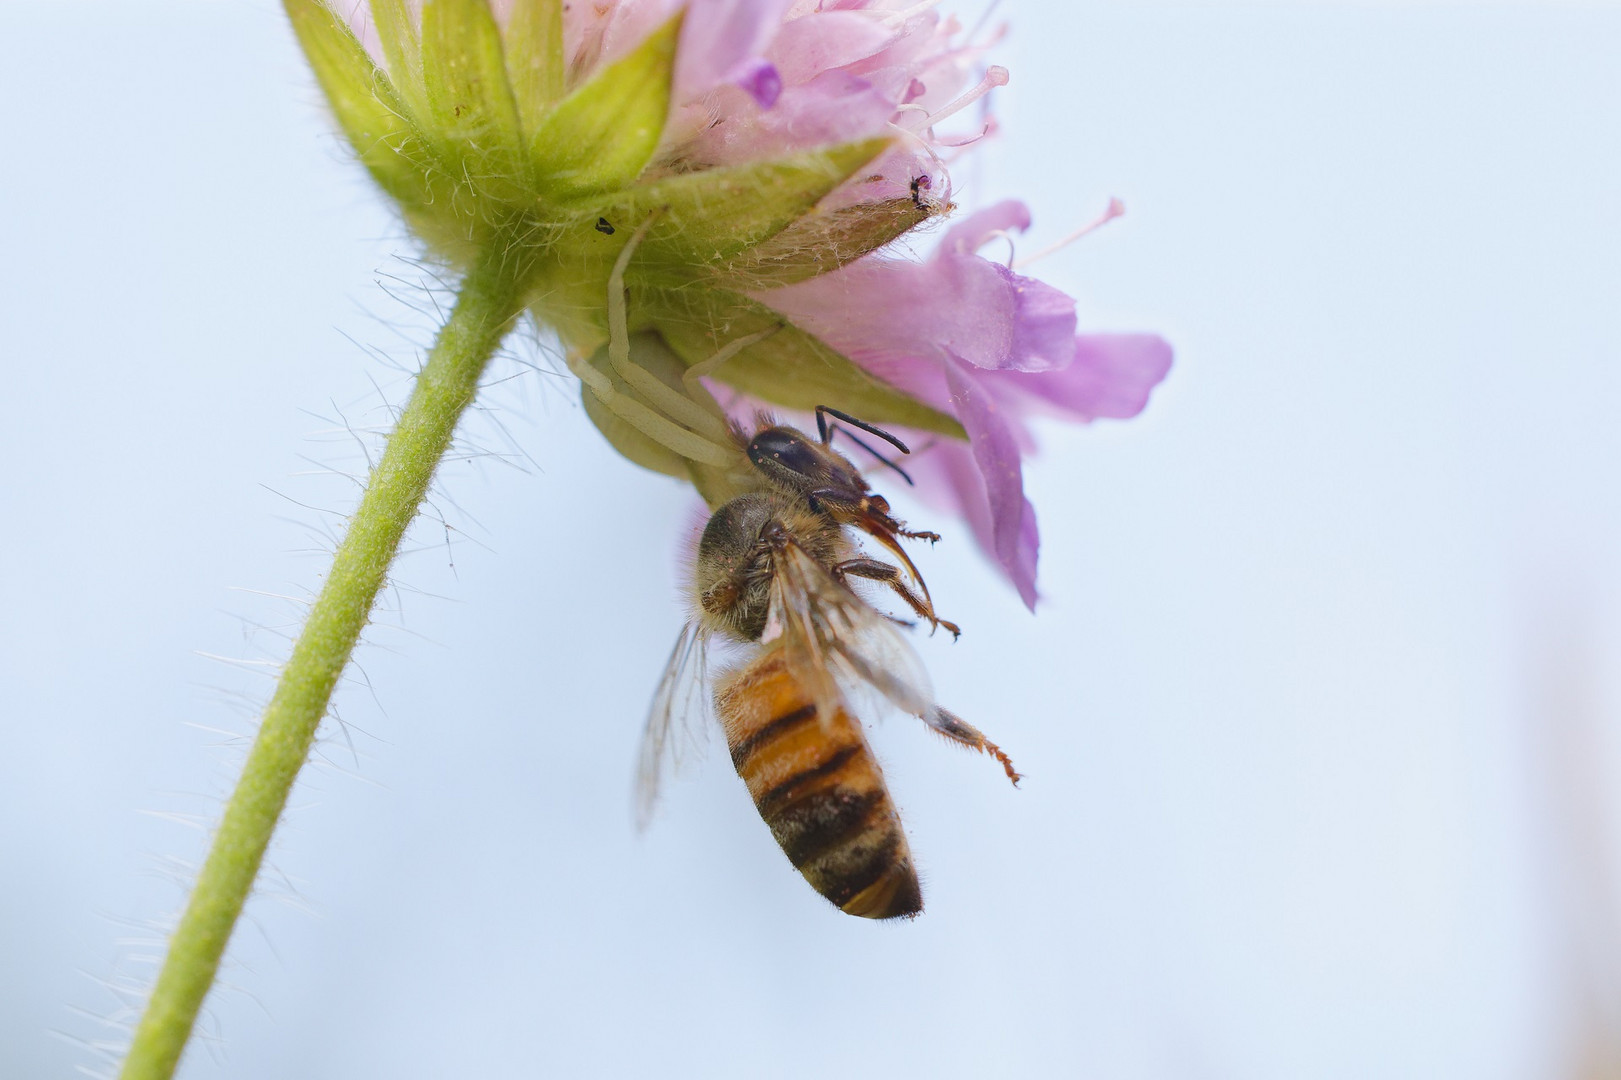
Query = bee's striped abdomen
x=820 y=790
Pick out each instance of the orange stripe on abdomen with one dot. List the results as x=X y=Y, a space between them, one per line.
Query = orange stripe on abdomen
x=817 y=785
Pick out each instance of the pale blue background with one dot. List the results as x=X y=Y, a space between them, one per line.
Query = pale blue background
x=1319 y=714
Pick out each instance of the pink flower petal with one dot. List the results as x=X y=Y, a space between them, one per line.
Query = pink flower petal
x=888 y=307
x=719 y=39
x=1043 y=326
x=832 y=108
x=980 y=311
x=948 y=478
x=821 y=41
x=595 y=34
x=996 y=453
x=921 y=49
x=1111 y=376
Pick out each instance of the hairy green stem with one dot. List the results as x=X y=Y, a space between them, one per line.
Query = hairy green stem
x=488 y=303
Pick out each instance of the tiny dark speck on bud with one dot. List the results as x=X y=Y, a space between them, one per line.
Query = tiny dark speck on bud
x=603 y=227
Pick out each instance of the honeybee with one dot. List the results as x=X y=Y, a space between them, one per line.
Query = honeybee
x=772 y=576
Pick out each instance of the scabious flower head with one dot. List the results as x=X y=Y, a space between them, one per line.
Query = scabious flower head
x=699 y=192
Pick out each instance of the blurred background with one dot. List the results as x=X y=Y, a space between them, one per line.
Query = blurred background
x=1318 y=711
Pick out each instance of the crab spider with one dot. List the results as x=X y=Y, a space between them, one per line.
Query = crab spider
x=688 y=422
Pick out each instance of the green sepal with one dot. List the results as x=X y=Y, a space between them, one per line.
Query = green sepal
x=714 y=219
x=366 y=105
x=534 y=37
x=470 y=109
x=791 y=368
x=602 y=136
x=711 y=217
x=399 y=33
x=821 y=242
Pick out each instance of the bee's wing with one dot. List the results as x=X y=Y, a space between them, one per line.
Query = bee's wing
x=831 y=637
x=677 y=720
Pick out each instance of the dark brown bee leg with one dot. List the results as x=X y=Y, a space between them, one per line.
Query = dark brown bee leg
x=881 y=527
x=868 y=512
x=961 y=731
x=885 y=574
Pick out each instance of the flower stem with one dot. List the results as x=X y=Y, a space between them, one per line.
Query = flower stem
x=485 y=309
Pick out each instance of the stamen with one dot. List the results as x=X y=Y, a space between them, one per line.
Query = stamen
x=1112 y=211
x=995 y=75
x=956 y=141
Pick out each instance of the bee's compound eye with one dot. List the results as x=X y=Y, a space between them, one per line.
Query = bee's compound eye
x=786 y=455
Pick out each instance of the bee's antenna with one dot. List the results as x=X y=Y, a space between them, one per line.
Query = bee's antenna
x=824 y=411
x=859 y=442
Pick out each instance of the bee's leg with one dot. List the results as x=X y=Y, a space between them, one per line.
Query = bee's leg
x=885 y=574
x=878 y=507
x=871 y=513
x=878 y=526
x=960 y=731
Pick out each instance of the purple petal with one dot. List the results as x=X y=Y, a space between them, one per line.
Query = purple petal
x=996 y=452
x=921 y=51
x=891 y=308
x=597 y=34
x=1022 y=570
x=718 y=40
x=821 y=41
x=948 y=479
x=834 y=107
x=1043 y=317
x=1111 y=376
x=1043 y=326
x=978 y=310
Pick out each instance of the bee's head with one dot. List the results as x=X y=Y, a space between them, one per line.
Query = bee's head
x=799 y=465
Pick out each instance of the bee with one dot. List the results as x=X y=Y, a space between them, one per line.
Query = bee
x=773 y=576
x=828 y=483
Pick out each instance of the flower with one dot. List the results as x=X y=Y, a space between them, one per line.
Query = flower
x=700 y=192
